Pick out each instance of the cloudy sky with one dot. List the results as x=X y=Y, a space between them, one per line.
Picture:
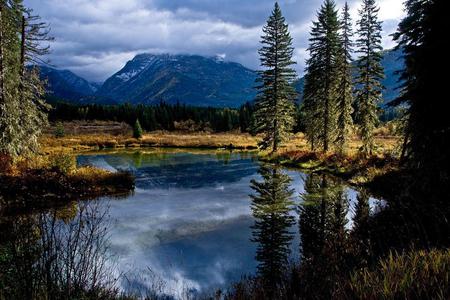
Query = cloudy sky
x=95 y=38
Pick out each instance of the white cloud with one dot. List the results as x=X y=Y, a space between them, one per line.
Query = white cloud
x=95 y=38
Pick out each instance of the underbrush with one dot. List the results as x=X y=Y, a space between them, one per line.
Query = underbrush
x=412 y=275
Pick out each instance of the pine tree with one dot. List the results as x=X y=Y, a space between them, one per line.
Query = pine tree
x=421 y=36
x=137 y=130
x=274 y=106
x=22 y=110
x=370 y=73
x=59 y=130
x=345 y=86
x=321 y=78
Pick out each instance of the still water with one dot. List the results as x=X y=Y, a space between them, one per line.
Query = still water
x=200 y=220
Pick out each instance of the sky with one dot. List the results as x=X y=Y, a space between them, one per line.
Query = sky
x=95 y=38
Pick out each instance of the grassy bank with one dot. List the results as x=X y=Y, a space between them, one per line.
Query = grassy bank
x=350 y=166
x=52 y=180
x=356 y=170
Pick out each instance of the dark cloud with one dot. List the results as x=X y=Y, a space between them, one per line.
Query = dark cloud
x=95 y=38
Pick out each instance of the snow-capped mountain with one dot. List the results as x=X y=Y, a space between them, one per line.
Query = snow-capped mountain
x=190 y=79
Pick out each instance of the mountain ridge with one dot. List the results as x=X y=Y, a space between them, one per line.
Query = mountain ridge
x=190 y=79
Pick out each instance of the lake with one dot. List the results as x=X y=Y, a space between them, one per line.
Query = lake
x=190 y=220
x=196 y=222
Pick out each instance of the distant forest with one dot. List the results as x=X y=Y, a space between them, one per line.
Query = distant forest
x=160 y=117
x=178 y=116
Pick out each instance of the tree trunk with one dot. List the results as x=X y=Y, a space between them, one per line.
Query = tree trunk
x=2 y=74
x=22 y=59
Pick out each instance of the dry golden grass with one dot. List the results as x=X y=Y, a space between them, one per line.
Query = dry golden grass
x=383 y=144
x=83 y=142
x=50 y=144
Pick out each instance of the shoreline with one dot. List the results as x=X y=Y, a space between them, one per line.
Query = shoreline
x=356 y=170
x=90 y=142
x=47 y=188
x=368 y=173
x=92 y=182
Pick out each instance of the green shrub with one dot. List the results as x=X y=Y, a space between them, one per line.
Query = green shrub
x=137 y=130
x=59 y=130
x=412 y=275
x=64 y=162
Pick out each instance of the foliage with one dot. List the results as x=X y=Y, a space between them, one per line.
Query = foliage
x=42 y=257
x=421 y=37
x=5 y=163
x=410 y=275
x=320 y=98
x=274 y=104
x=158 y=117
x=345 y=85
x=137 y=130
x=59 y=130
x=22 y=110
x=63 y=162
x=370 y=73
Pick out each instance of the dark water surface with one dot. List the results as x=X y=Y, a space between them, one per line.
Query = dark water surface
x=190 y=221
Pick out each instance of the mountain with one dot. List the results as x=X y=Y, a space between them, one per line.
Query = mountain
x=189 y=79
x=64 y=84
x=392 y=62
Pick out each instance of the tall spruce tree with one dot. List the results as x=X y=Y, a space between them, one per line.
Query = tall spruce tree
x=22 y=110
x=370 y=73
x=421 y=36
x=321 y=78
x=344 y=105
x=274 y=107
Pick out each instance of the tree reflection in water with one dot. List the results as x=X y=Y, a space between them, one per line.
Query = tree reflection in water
x=272 y=205
x=324 y=235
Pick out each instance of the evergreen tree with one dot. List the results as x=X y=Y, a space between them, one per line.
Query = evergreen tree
x=421 y=36
x=321 y=78
x=274 y=106
x=370 y=73
x=137 y=130
x=345 y=85
x=59 y=130
x=22 y=110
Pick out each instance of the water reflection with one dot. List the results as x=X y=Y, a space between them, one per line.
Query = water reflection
x=186 y=170
x=324 y=233
x=272 y=205
x=190 y=227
